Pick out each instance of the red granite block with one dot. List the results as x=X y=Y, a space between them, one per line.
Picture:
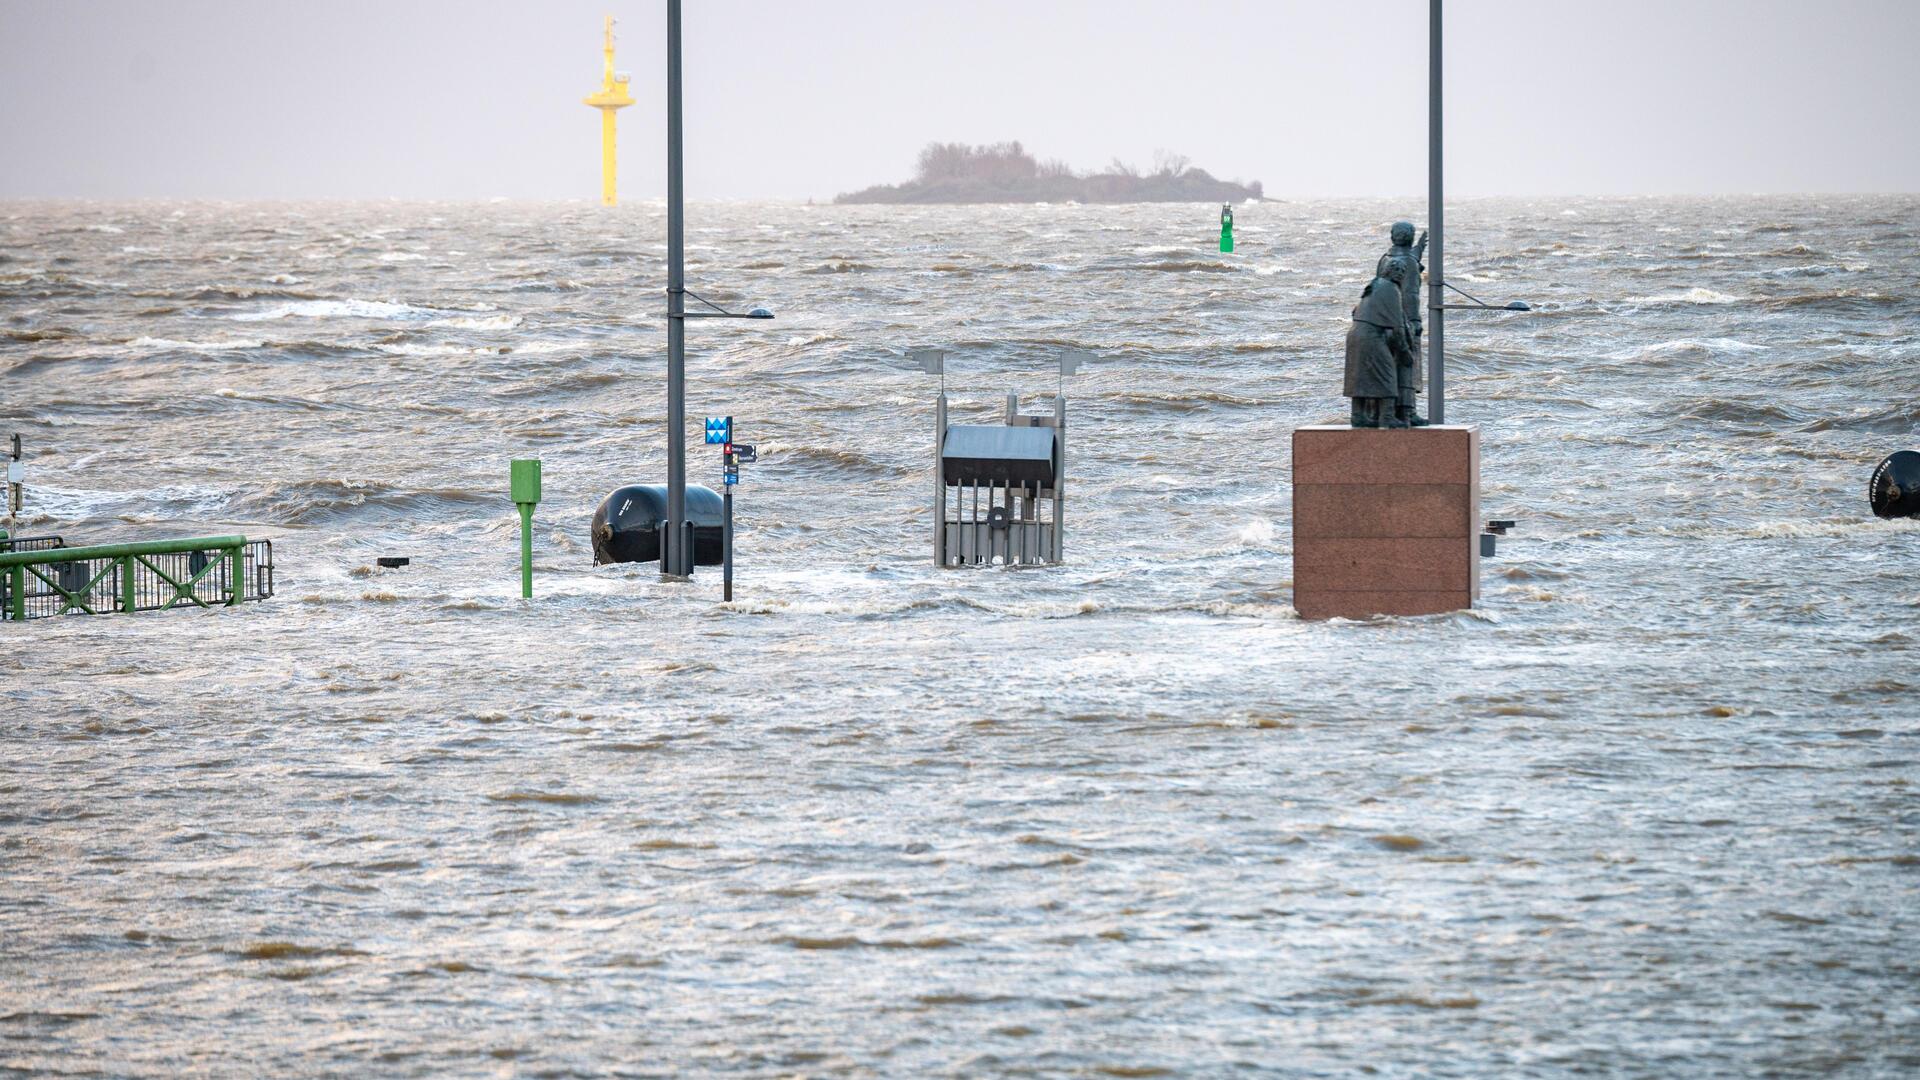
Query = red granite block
x=1382 y=510
x=1385 y=522
x=1321 y=604
x=1446 y=454
x=1357 y=564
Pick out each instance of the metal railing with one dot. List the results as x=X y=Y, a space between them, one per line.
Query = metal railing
x=154 y=575
x=29 y=543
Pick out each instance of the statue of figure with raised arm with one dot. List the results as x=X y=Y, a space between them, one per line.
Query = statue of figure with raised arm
x=1377 y=351
x=1409 y=253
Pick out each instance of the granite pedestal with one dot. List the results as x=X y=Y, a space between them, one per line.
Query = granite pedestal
x=1385 y=521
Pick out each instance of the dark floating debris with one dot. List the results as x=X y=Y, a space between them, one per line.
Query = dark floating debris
x=391 y=561
x=1895 y=487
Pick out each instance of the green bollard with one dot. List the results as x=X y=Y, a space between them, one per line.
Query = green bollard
x=525 y=486
x=1226 y=227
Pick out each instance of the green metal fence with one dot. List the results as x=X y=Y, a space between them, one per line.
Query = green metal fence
x=29 y=543
x=155 y=575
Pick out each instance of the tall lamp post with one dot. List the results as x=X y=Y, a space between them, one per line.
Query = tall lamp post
x=1436 y=230
x=1437 y=306
x=679 y=551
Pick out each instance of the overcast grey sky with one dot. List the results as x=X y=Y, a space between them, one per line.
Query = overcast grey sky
x=806 y=98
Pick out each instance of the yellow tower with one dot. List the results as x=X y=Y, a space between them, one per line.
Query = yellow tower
x=613 y=96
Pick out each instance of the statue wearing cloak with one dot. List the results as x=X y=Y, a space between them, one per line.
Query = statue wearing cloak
x=1376 y=346
x=1407 y=252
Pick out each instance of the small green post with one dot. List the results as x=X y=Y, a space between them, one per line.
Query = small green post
x=236 y=574
x=1226 y=227
x=129 y=596
x=18 y=588
x=524 y=476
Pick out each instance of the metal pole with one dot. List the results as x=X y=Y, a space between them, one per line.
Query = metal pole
x=13 y=488
x=1436 y=231
x=939 y=479
x=526 y=551
x=523 y=483
x=726 y=575
x=1059 y=475
x=679 y=561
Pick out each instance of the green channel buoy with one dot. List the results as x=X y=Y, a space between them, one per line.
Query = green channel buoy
x=524 y=484
x=1226 y=227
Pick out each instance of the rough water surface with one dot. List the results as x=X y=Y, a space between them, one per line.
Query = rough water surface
x=1651 y=811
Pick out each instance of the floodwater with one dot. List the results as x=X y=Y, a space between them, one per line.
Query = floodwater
x=1650 y=811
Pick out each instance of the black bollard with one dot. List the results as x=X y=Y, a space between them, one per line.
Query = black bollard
x=1895 y=487
x=627 y=526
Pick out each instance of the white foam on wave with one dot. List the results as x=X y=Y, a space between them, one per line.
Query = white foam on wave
x=1244 y=610
x=1723 y=345
x=415 y=348
x=1837 y=527
x=1827 y=527
x=534 y=348
x=1258 y=533
x=478 y=322
x=336 y=309
x=401 y=256
x=1695 y=295
x=154 y=344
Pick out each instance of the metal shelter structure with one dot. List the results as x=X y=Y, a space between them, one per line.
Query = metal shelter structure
x=999 y=489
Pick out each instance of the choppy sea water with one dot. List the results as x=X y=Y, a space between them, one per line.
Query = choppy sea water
x=1650 y=811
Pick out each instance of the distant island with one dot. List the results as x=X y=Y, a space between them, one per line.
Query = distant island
x=1006 y=173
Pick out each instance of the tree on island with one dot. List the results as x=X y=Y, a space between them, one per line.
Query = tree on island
x=1006 y=172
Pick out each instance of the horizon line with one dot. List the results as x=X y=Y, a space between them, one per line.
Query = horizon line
x=808 y=200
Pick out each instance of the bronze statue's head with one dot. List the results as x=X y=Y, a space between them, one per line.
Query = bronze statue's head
x=1402 y=233
x=1395 y=272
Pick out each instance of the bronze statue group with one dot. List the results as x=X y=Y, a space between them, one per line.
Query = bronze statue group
x=1383 y=345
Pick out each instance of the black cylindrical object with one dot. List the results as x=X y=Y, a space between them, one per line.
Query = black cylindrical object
x=626 y=527
x=1895 y=487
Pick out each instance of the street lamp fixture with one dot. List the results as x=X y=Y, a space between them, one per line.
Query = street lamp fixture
x=679 y=553
x=1437 y=282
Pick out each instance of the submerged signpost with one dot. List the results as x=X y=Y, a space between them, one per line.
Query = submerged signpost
x=719 y=432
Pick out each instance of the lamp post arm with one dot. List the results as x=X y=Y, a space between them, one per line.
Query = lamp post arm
x=718 y=312
x=1511 y=305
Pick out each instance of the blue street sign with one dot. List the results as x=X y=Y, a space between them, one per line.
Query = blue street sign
x=719 y=430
